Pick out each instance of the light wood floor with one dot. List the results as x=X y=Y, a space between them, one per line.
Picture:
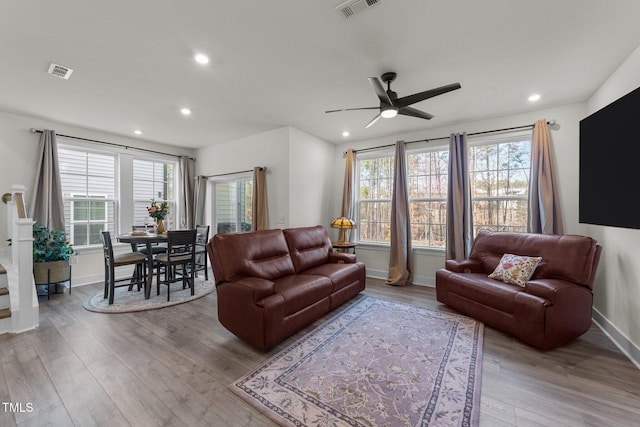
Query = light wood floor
x=171 y=367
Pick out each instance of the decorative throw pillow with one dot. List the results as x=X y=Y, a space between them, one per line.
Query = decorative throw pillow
x=515 y=269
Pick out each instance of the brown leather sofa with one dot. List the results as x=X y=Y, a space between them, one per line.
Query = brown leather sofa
x=554 y=306
x=272 y=283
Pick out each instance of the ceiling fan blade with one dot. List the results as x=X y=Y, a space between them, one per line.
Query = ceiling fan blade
x=382 y=94
x=352 y=109
x=421 y=96
x=409 y=111
x=375 y=119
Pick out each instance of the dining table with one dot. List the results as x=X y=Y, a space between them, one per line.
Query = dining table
x=147 y=239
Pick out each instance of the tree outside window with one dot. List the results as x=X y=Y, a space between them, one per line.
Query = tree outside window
x=499 y=178
x=427 y=178
x=374 y=204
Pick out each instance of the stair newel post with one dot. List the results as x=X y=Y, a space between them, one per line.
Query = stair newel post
x=25 y=314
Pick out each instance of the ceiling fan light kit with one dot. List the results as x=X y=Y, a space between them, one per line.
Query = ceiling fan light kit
x=389 y=112
x=391 y=105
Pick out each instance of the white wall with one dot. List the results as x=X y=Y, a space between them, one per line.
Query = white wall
x=311 y=180
x=270 y=149
x=565 y=139
x=18 y=160
x=299 y=178
x=617 y=294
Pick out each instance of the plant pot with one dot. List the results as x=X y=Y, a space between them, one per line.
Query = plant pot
x=51 y=272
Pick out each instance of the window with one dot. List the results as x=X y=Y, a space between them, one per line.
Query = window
x=427 y=178
x=375 y=179
x=152 y=180
x=108 y=189
x=89 y=189
x=233 y=204
x=499 y=178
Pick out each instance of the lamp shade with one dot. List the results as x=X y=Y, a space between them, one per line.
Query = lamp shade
x=343 y=223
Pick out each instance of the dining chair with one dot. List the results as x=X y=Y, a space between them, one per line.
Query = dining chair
x=202 y=237
x=181 y=252
x=111 y=261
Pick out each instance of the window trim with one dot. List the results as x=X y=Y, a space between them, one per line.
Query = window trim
x=485 y=140
x=213 y=185
x=475 y=141
x=172 y=203
x=123 y=176
x=377 y=154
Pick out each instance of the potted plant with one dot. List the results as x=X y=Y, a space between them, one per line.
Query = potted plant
x=51 y=251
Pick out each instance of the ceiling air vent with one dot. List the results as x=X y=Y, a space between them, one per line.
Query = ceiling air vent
x=60 y=71
x=353 y=7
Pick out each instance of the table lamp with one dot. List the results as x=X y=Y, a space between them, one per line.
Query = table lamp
x=343 y=223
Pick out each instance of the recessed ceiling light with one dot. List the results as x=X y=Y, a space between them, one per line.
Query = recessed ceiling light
x=137 y=132
x=185 y=111
x=533 y=98
x=201 y=58
x=346 y=133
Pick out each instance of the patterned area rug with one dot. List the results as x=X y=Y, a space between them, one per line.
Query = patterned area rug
x=378 y=363
x=126 y=301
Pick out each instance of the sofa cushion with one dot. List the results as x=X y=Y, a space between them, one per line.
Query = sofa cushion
x=263 y=254
x=515 y=269
x=480 y=288
x=341 y=275
x=301 y=290
x=308 y=246
x=567 y=257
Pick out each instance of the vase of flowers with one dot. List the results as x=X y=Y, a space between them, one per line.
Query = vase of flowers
x=158 y=211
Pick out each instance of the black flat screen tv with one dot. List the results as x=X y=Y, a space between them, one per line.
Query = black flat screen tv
x=610 y=164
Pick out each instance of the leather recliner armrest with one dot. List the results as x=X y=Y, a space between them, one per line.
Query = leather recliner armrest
x=342 y=258
x=464 y=266
x=251 y=287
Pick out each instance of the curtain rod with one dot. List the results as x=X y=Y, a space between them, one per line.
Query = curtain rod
x=126 y=147
x=549 y=122
x=235 y=173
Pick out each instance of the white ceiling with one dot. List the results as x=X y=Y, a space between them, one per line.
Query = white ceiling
x=284 y=62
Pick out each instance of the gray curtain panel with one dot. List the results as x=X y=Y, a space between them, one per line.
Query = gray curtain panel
x=201 y=197
x=47 y=204
x=459 y=217
x=400 y=255
x=187 y=208
x=544 y=202
x=259 y=201
x=348 y=192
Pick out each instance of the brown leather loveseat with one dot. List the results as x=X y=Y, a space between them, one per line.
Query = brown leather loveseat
x=552 y=308
x=272 y=283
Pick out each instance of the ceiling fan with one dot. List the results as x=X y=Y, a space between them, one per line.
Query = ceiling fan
x=391 y=105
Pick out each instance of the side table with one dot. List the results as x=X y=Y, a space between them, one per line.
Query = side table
x=344 y=246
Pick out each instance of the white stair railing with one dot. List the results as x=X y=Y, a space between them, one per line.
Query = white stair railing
x=24 y=300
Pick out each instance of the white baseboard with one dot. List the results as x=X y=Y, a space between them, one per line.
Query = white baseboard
x=417 y=280
x=626 y=346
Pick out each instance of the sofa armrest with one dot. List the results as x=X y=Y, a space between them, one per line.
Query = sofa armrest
x=252 y=288
x=342 y=258
x=464 y=266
